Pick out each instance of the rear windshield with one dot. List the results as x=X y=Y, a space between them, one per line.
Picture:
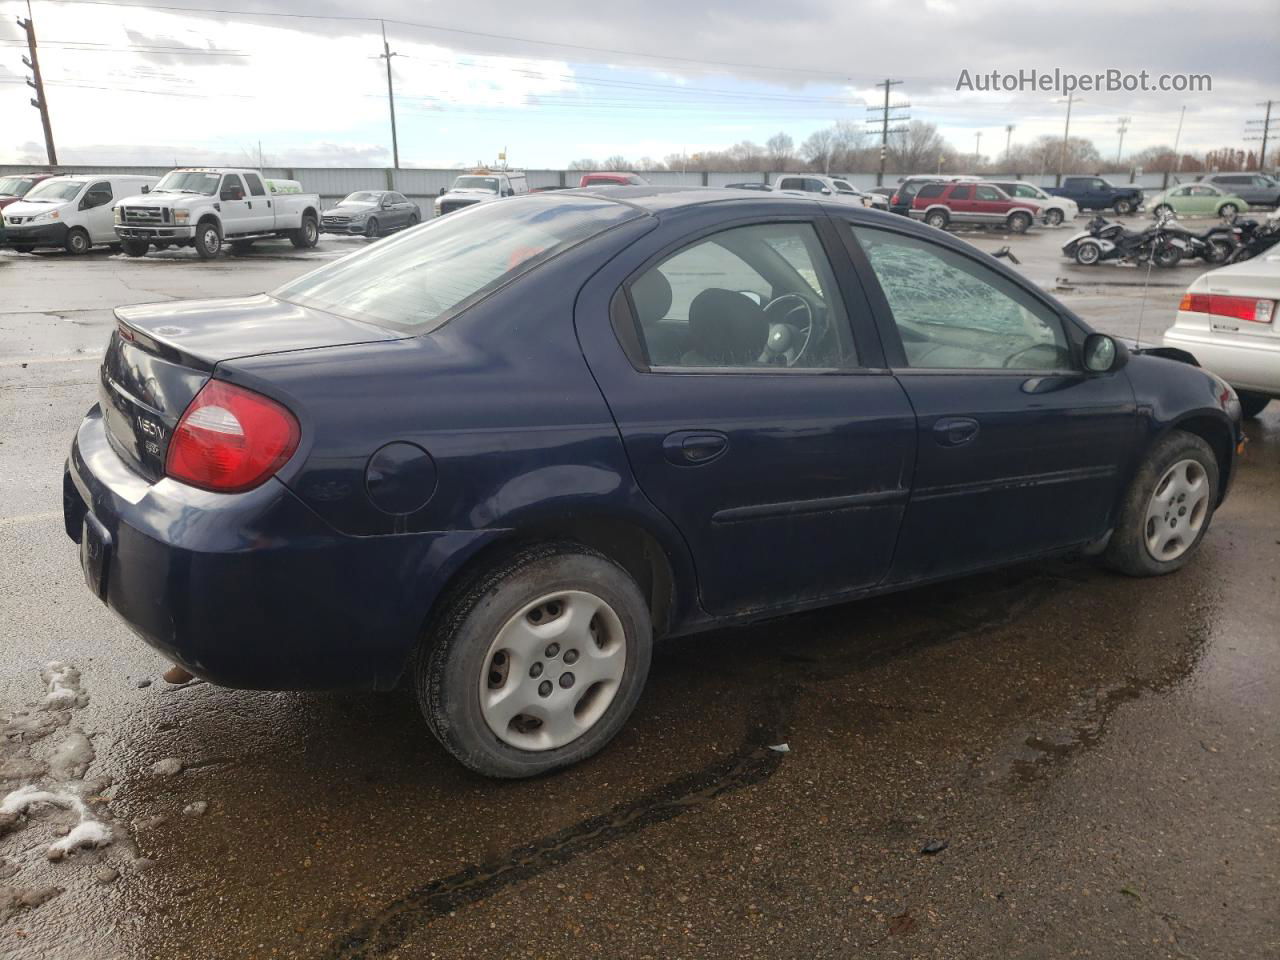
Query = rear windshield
x=54 y=190
x=418 y=280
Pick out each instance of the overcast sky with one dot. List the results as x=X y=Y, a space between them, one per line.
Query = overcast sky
x=158 y=86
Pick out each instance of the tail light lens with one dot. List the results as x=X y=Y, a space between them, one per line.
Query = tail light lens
x=230 y=439
x=895 y=199
x=1249 y=309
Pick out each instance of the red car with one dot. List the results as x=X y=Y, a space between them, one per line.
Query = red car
x=15 y=186
x=939 y=204
x=612 y=180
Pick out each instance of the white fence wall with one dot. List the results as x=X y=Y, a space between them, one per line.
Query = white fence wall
x=423 y=186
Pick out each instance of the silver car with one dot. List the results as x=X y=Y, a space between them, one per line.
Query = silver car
x=1256 y=189
x=371 y=213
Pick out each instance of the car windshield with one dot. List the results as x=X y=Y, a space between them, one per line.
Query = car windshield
x=364 y=197
x=51 y=191
x=418 y=281
x=15 y=186
x=843 y=187
x=476 y=183
x=189 y=181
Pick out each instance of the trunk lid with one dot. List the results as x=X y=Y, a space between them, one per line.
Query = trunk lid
x=160 y=355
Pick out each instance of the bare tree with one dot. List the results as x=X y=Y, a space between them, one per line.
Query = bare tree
x=616 y=162
x=781 y=150
x=586 y=163
x=917 y=149
x=816 y=149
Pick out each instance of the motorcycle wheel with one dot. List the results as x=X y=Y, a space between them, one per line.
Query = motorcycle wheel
x=1167 y=257
x=1217 y=251
x=1087 y=254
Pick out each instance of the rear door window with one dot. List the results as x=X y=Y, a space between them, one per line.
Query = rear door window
x=255 y=185
x=930 y=190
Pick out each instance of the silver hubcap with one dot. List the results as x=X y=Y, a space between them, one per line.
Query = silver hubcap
x=1177 y=510
x=552 y=670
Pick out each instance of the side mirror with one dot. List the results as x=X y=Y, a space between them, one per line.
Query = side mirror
x=826 y=190
x=1104 y=354
x=146 y=188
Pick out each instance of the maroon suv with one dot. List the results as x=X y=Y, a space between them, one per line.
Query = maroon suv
x=15 y=186
x=939 y=204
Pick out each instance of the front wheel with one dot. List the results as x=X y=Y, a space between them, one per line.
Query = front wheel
x=77 y=241
x=135 y=248
x=1087 y=254
x=1123 y=207
x=371 y=229
x=1218 y=251
x=1168 y=508
x=1019 y=222
x=1167 y=256
x=1252 y=404
x=307 y=235
x=537 y=664
x=208 y=241
x=1053 y=217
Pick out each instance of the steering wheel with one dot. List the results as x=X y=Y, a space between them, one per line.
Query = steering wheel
x=1053 y=347
x=786 y=340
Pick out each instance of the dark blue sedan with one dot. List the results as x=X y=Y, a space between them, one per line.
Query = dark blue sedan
x=501 y=453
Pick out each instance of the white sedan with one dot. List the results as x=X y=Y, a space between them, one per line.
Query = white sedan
x=1227 y=321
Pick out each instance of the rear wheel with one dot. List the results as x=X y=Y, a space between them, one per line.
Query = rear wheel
x=1053 y=217
x=307 y=235
x=1123 y=207
x=77 y=241
x=937 y=218
x=1168 y=508
x=135 y=248
x=537 y=664
x=208 y=242
x=1167 y=256
x=1218 y=251
x=1019 y=222
x=1252 y=404
x=1163 y=210
x=1228 y=211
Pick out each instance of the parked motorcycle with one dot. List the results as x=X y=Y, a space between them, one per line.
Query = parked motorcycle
x=1215 y=245
x=1254 y=238
x=1103 y=240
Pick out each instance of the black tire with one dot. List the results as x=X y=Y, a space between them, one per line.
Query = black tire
x=1123 y=207
x=937 y=218
x=135 y=248
x=162 y=244
x=22 y=247
x=77 y=241
x=208 y=241
x=1087 y=254
x=1228 y=212
x=1127 y=550
x=451 y=661
x=241 y=246
x=372 y=229
x=1019 y=222
x=115 y=247
x=1252 y=404
x=413 y=221
x=307 y=235
x=1162 y=210
x=1167 y=256
x=1218 y=251
x=1053 y=217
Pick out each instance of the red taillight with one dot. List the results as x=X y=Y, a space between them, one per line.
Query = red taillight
x=230 y=439
x=894 y=200
x=1250 y=309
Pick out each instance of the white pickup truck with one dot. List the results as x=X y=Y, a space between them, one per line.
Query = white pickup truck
x=206 y=207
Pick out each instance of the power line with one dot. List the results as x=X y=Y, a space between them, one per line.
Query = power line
x=1265 y=124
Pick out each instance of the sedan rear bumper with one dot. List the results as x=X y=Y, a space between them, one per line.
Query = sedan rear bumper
x=249 y=590
x=1245 y=362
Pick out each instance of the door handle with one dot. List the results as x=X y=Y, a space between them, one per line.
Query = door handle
x=692 y=448
x=955 y=431
x=249 y=203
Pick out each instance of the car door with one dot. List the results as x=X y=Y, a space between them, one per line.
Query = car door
x=1019 y=451
x=960 y=200
x=233 y=206
x=95 y=212
x=989 y=203
x=1097 y=195
x=787 y=480
x=260 y=216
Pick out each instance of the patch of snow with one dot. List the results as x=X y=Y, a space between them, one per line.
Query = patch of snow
x=87 y=833
x=62 y=681
x=72 y=757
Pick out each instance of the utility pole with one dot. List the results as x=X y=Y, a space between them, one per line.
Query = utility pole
x=36 y=83
x=1124 y=125
x=1266 y=131
x=1066 y=134
x=391 y=94
x=977 y=149
x=1177 y=139
x=884 y=120
x=1008 y=140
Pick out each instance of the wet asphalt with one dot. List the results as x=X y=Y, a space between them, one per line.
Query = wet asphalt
x=1092 y=760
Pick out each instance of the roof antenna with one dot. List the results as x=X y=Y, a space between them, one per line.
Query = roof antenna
x=1151 y=259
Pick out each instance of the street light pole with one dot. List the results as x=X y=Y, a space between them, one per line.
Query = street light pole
x=1066 y=134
